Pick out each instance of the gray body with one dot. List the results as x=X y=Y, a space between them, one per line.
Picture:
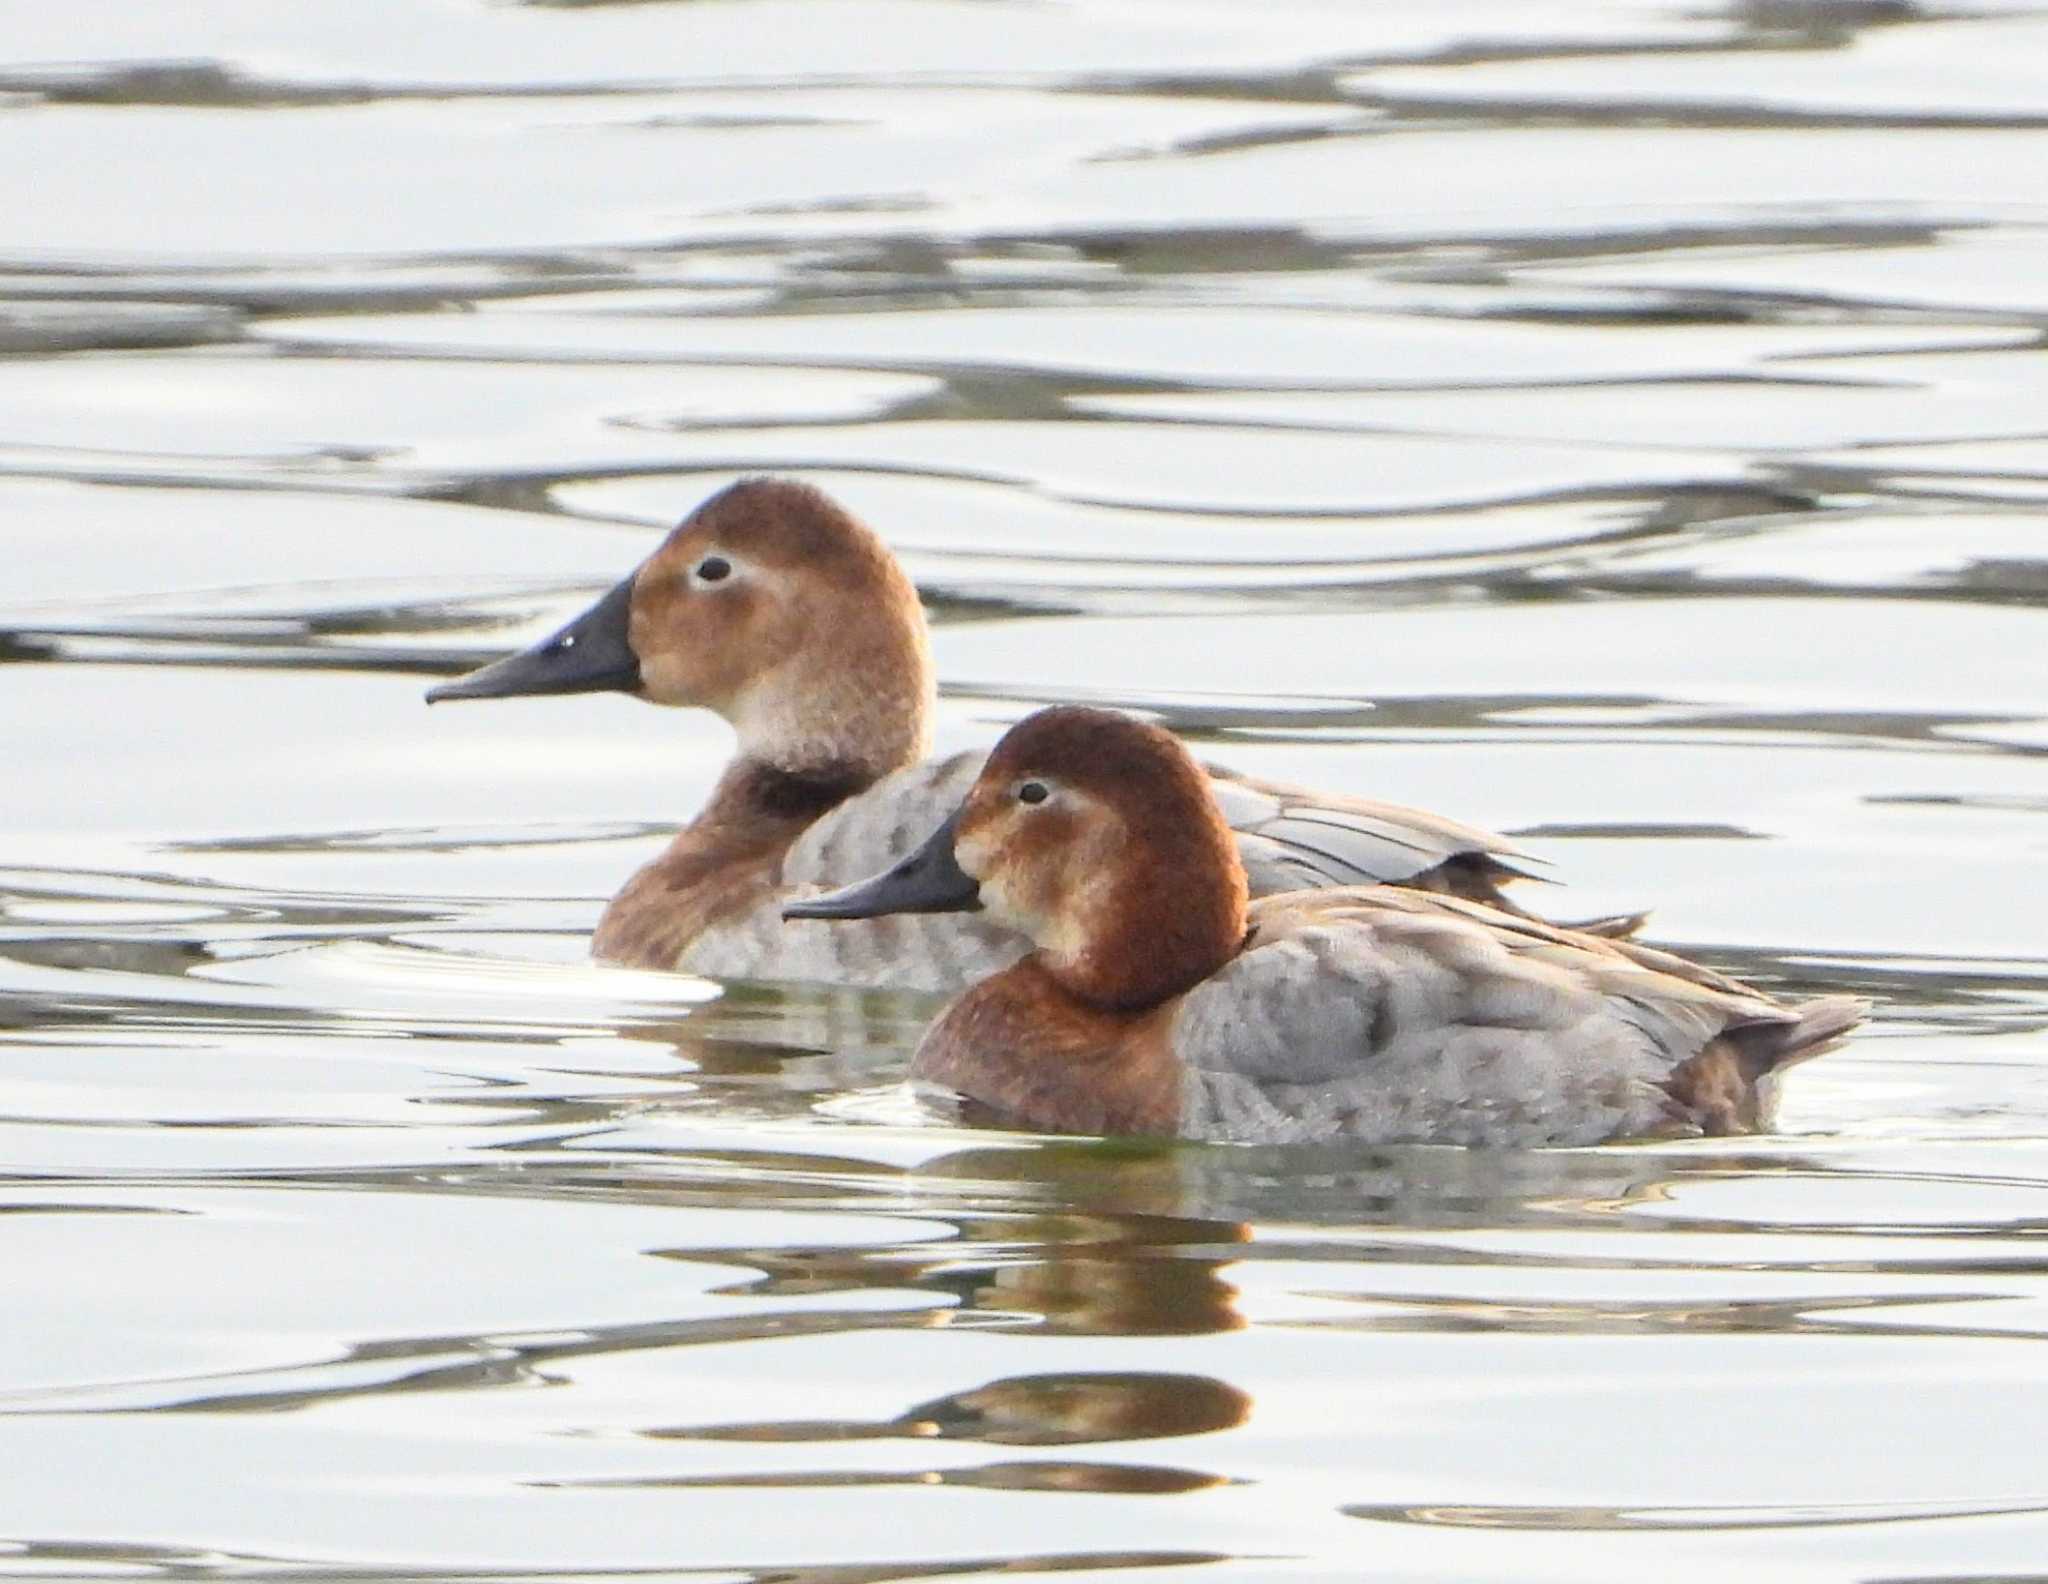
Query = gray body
x=1389 y=1017
x=1289 y=839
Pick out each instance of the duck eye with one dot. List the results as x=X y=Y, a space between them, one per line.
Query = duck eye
x=713 y=569
x=1032 y=792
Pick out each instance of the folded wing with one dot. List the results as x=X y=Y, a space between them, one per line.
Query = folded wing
x=1387 y=1015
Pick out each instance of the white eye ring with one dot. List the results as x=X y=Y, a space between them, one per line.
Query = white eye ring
x=712 y=570
x=1033 y=792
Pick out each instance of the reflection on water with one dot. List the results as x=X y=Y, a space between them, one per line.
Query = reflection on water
x=1668 y=1518
x=1031 y=1410
x=1635 y=406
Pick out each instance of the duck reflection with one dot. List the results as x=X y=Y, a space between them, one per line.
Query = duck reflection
x=755 y=1041
x=1097 y=1479
x=1066 y=1274
x=1696 y=1519
x=1072 y=1409
x=1216 y=1193
x=1054 y=1410
x=1131 y=1293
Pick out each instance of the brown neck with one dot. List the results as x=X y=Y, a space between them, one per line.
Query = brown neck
x=855 y=725
x=1018 y=1044
x=752 y=791
x=1163 y=921
x=721 y=863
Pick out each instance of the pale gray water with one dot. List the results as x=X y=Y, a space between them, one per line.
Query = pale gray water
x=1645 y=405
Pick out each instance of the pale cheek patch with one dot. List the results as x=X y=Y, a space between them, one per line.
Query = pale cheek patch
x=999 y=900
x=1062 y=903
x=666 y=682
x=1013 y=891
x=1052 y=878
x=1077 y=919
x=971 y=854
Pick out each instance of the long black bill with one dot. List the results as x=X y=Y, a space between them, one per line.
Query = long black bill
x=590 y=655
x=930 y=880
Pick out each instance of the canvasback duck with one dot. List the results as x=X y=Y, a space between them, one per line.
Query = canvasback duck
x=776 y=608
x=1156 y=999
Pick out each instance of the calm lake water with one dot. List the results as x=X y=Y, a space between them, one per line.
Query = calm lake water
x=1644 y=406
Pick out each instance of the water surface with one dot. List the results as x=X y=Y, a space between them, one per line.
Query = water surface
x=1641 y=406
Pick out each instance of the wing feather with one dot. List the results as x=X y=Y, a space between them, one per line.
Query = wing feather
x=1385 y=1014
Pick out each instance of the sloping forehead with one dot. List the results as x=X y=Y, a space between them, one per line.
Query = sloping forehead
x=1089 y=748
x=777 y=521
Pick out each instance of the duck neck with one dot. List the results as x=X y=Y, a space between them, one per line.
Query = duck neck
x=866 y=716
x=1035 y=1057
x=755 y=797
x=719 y=864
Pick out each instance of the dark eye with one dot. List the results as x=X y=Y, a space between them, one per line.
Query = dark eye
x=713 y=569
x=1032 y=792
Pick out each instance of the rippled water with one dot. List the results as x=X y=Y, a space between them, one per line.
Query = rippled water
x=1645 y=407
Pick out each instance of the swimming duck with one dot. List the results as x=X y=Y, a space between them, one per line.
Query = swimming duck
x=776 y=608
x=1157 y=999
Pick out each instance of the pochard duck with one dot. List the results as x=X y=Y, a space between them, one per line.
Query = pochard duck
x=1158 y=999
x=777 y=609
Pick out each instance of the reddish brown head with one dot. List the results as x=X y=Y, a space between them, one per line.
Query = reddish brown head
x=773 y=606
x=777 y=608
x=1097 y=836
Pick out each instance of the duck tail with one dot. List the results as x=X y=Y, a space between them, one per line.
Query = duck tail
x=1820 y=1027
x=1610 y=926
x=1731 y=1085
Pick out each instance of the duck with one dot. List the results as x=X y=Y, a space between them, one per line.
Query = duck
x=779 y=610
x=1159 y=998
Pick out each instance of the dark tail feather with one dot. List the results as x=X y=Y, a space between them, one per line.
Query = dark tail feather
x=1609 y=926
x=1822 y=1025
x=1612 y=926
x=1731 y=1085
